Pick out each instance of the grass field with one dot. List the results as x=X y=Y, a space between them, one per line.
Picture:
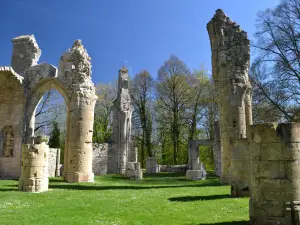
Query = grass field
x=165 y=198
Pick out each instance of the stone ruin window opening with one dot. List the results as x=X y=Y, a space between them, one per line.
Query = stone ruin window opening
x=7 y=141
x=50 y=109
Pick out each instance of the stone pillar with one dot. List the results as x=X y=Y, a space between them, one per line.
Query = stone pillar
x=133 y=167
x=122 y=111
x=57 y=166
x=151 y=165
x=196 y=169
x=26 y=53
x=80 y=150
x=275 y=174
x=34 y=172
x=217 y=149
x=240 y=161
x=230 y=62
x=75 y=74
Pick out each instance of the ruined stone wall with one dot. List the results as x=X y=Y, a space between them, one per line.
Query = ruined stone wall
x=26 y=53
x=11 y=122
x=230 y=62
x=152 y=166
x=275 y=174
x=53 y=162
x=100 y=158
x=173 y=168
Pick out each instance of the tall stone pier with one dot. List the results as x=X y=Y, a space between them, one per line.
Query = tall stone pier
x=230 y=62
x=75 y=71
x=122 y=111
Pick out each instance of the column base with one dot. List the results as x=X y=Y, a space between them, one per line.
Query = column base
x=195 y=175
x=239 y=189
x=225 y=180
x=79 y=177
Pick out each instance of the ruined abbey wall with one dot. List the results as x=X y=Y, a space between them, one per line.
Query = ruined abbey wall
x=275 y=179
x=11 y=122
x=230 y=63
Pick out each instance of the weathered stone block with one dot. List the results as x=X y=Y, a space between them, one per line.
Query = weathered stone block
x=196 y=175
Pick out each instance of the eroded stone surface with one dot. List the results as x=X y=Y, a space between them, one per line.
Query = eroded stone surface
x=230 y=63
x=34 y=173
x=152 y=166
x=275 y=179
x=122 y=112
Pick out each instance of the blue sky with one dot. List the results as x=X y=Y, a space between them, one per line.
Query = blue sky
x=142 y=32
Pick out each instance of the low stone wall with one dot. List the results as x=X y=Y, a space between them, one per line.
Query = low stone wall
x=173 y=168
x=275 y=179
x=100 y=158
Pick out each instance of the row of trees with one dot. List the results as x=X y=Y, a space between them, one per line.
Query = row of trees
x=168 y=111
x=180 y=104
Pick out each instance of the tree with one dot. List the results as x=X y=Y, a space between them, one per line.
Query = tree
x=276 y=70
x=55 y=138
x=142 y=94
x=199 y=95
x=102 y=118
x=173 y=87
x=50 y=109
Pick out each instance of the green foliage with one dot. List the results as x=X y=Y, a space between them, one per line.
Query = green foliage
x=55 y=137
x=206 y=156
x=165 y=198
x=102 y=121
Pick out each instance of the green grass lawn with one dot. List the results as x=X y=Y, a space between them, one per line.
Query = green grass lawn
x=165 y=198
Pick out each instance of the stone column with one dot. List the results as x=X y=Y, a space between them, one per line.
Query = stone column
x=80 y=140
x=34 y=172
x=230 y=62
x=75 y=74
x=240 y=161
x=275 y=174
x=57 y=169
x=217 y=149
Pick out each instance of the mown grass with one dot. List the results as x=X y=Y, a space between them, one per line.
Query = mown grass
x=161 y=199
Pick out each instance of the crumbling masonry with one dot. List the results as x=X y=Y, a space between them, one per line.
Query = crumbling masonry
x=230 y=63
x=26 y=82
x=263 y=159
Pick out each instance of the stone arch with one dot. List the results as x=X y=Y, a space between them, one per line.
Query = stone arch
x=34 y=99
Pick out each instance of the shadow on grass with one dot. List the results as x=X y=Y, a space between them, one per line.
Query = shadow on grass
x=228 y=223
x=198 y=198
x=92 y=187
x=8 y=189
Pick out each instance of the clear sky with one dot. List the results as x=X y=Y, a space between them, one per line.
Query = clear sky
x=141 y=32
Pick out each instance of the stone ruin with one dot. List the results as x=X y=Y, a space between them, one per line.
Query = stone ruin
x=230 y=63
x=122 y=112
x=122 y=157
x=26 y=82
x=262 y=160
x=196 y=169
x=34 y=171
